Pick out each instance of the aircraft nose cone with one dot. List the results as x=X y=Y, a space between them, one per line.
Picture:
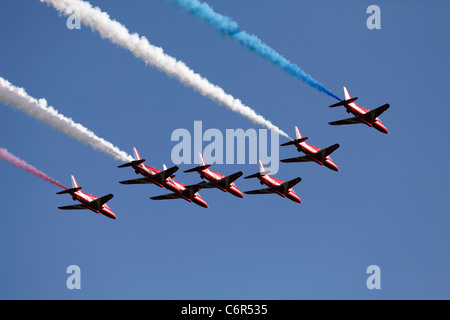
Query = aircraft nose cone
x=109 y=214
x=380 y=127
x=294 y=197
x=236 y=192
x=383 y=129
x=331 y=165
x=112 y=215
x=201 y=202
x=204 y=204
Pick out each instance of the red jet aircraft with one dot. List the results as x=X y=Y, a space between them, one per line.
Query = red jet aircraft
x=275 y=185
x=151 y=175
x=217 y=180
x=182 y=191
x=98 y=205
x=312 y=153
x=362 y=115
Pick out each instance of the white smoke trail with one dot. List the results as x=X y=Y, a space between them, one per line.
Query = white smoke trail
x=155 y=56
x=18 y=98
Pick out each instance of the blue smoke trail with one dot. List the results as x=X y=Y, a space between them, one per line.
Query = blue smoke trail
x=230 y=27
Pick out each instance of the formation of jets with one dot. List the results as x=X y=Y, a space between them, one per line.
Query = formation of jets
x=165 y=178
x=180 y=190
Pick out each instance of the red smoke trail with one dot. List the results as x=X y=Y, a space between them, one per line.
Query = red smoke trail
x=4 y=154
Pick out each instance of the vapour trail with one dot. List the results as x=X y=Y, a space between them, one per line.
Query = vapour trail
x=110 y=29
x=227 y=25
x=5 y=155
x=18 y=98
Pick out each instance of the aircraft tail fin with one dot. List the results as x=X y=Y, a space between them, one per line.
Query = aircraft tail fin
x=298 y=135
x=74 y=182
x=136 y=154
x=261 y=167
x=262 y=172
x=347 y=94
x=201 y=159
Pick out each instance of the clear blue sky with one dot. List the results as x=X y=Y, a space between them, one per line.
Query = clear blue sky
x=388 y=205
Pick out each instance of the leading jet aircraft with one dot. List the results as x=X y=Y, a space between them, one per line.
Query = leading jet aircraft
x=361 y=115
x=98 y=205
x=274 y=185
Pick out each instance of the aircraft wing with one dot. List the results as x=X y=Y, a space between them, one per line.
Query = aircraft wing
x=99 y=202
x=70 y=190
x=190 y=191
x=73 y=207
x=260 y=191
x=130 y=164
x=373 y=114
x=353 y=120
x=344 y=102
x=167 y=197
x=322 y=154
x=136 y=181
x=225 y=182
x=205 y=185
x=163 y=175
x=297 y=159
x=284 y=187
